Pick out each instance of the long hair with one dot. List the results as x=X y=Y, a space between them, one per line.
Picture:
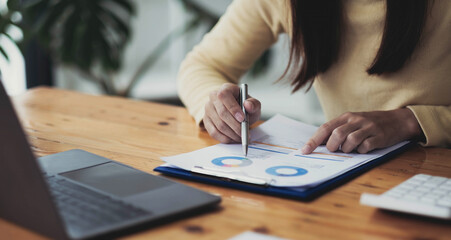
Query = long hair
x=316 y=37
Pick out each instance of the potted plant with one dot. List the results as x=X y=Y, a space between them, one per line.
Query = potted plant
x=90 y=36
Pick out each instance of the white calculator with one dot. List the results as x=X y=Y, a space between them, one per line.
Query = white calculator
x=421 y=194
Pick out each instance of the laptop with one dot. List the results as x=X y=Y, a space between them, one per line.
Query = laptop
x=77 y=194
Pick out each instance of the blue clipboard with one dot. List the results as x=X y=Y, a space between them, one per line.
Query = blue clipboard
x=286 y=192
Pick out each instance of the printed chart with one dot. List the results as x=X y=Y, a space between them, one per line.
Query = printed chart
x=291 y=146
x=274 y=157
x=231 y=161
x=286 y=171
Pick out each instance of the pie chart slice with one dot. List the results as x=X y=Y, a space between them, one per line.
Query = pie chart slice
x=231 y=161
x=286 y=171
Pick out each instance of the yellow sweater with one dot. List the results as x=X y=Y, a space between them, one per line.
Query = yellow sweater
x=251 y=26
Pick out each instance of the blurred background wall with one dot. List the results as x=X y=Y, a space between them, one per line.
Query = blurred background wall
x=151 y=25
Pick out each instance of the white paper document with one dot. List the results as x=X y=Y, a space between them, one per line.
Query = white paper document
x=274 y=157
x=249 y=235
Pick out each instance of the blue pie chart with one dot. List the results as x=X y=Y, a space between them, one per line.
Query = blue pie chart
x=286 y=171
x=231 y=161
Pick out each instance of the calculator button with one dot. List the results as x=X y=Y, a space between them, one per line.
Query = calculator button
x=410 y=198
x=444 y=203
x=415 y=181
x=410 y=185
x=421 y=194
x=438 y=180
x=445 y=187
x=423 y=189
x=436 y=195
x=404 y=188
x=428 y=200
x=440 y=191
x=431 y=184
x=422 y=177
x=400 y=190
x=394 y=194
x=416 y=194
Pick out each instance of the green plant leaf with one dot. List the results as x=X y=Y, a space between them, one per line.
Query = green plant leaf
x=111 y=48
x=13 y=5
x=4 y=53
x=32 y=4
x=5 y=24
x=55 y=12
x=32 y=14
x=83 y=32
x=69 y=49
x=7 y=35
x=115 y=22
x=83 y=54
x=126 y=5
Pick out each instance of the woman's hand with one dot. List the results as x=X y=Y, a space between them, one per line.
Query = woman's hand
x=223 y=114
x=365 y=131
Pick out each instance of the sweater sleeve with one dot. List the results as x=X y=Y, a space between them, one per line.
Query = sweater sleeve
x=242 y=34
x=435 y=121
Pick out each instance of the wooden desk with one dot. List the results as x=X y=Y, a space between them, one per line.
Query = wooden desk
x=138 y=133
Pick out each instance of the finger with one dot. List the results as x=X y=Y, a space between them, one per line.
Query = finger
x=369 y=144
x=354 y=139
x=219 y=124
x=339 y=135
x=214 y=132
x=253 y=107
x=226 y=116
x=222 y=127
x=228 y=95
x=321 y=135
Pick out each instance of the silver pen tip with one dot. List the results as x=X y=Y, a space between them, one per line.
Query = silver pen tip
x=245 y=150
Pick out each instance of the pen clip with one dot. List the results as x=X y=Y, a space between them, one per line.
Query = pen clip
x=232 y=175
x=243 y=97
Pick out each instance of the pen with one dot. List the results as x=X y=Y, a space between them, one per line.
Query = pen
x=245 y=122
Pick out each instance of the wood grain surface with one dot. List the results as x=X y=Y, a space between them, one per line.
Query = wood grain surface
x=138 y=133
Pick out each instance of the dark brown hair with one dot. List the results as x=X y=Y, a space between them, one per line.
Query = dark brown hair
x=317 y=29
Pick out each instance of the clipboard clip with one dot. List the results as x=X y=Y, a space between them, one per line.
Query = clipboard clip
x=231 y=175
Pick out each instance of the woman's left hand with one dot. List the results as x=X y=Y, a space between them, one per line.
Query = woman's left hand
x=365 y=131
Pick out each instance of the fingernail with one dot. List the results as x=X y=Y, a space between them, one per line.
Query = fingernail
x=239 y=117
x=306 y=149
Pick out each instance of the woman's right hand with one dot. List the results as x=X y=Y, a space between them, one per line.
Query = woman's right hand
x=223 y=114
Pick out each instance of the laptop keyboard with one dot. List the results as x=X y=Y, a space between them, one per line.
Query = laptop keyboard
x=84 y=209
